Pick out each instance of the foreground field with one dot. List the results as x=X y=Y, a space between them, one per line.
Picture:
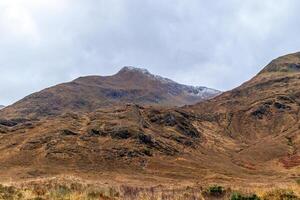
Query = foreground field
x=75 y=189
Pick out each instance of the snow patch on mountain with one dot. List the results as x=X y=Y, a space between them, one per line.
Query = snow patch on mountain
x=176 y=88
x=135 y=69
x=201 y=91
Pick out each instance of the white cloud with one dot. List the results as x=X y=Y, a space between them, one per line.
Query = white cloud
x=219 y=44
x=17 y=22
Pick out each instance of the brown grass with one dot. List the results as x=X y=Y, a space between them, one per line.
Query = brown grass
x=73 y=189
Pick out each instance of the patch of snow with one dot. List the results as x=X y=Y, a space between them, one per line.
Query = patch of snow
x=176 y=88
x=202 y=91
x=162 y=79
x=141 y=70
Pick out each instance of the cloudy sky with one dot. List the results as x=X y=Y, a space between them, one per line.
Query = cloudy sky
x=219 y=43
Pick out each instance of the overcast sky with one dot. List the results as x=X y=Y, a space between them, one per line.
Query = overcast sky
x=218 y=44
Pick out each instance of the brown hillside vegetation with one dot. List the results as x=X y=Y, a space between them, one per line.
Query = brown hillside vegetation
x=247 y=137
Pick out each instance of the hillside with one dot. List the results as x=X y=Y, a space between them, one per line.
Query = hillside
x=86 y=94
x=263 y=115
x=246 y=136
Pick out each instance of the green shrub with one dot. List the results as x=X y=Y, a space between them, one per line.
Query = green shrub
x=238 y=196
x=216 y=191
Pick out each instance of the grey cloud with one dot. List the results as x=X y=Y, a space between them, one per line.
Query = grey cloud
x=219 y=44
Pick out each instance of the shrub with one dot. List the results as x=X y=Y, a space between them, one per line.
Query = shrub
x=216 y=191
x=238 y=196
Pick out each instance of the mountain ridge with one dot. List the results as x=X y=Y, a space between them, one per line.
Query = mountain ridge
x=286 y=63
x=129 y=85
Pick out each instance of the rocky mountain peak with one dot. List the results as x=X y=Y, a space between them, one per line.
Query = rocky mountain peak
x=131 y=72
x=130 y=69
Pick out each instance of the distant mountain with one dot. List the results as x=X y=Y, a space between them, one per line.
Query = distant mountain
x=1 y=107
x=129 y=85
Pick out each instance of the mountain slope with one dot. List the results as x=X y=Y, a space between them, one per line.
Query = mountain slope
x=263 y=114
x=247 y=136
x=129 y=85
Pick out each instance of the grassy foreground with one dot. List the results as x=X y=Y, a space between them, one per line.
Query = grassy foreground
x=71 y=190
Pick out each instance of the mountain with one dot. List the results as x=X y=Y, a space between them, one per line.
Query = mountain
x=248 y=136
x=1 y=107
x=263 y=116
x=129 y=85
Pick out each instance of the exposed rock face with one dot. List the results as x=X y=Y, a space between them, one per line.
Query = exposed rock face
x=86 y=94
